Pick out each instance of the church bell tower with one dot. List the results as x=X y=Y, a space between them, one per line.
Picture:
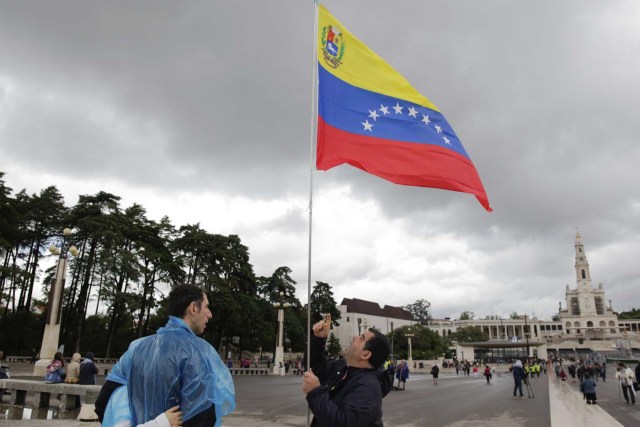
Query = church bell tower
x=582 y=301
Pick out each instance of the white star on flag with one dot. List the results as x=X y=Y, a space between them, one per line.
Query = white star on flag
x=373 y=114
x=398 y=108
x=413 y=112
x=446 y=141
x=438 y=129
x=367 y=125
x=385 y=110
x=425 y=119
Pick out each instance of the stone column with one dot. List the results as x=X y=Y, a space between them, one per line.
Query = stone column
x=52 y=325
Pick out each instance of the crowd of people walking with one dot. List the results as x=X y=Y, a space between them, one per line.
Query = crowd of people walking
x=588 y=372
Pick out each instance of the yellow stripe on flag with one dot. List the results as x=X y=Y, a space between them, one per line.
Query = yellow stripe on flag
x=350 y=60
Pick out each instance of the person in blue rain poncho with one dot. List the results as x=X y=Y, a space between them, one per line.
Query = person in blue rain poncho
x=174 y=367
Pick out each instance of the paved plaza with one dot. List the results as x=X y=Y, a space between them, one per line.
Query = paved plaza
x=457 y=401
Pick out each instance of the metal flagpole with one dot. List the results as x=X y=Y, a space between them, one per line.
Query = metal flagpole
x=312 y=140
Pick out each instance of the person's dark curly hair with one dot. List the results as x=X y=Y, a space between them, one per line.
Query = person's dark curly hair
x=181 y=297
x=379 y=347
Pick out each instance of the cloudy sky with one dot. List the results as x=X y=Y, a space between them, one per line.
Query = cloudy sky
x=200 y=110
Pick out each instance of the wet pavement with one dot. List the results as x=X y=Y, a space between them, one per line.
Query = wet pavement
x=611 y=409
x=457 y=401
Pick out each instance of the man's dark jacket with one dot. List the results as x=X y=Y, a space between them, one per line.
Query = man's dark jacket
x=519 y=373
x=347 y=396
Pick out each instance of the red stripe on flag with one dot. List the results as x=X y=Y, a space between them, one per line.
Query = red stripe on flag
x=406 y=163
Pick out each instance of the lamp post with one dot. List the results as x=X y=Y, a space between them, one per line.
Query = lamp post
x=409 y=335
x=279 y=354
x=526 y=334
x=363 y=325
x=392 y=355
x=54 y=306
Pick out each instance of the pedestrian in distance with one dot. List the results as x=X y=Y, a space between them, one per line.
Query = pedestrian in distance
x=34 y=356
x=580 y=372
x=73 y=373
x=174 y=367
x=402 y=374
x=563 y=376
x=488 y=374
x=55 y=372
x=626 y=378
x=391 y=372
x=518 y=376
x=349 y=391
x=88 y=370
x=572 y=372
x=588 y=389
x=3 y=368
x=73 y=369
x=434 y=373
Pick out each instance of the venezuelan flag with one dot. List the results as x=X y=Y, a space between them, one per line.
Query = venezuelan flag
x=369 y=116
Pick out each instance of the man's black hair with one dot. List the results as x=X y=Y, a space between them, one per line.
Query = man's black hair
x=181 y=297
x=379 y=347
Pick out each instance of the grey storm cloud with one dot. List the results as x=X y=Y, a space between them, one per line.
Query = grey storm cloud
x=216 y=97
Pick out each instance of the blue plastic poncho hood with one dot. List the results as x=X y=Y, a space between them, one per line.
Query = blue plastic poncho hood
x=173 y=367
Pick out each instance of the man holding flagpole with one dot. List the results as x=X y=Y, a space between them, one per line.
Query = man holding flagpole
x=370 y=117
x=347 y=392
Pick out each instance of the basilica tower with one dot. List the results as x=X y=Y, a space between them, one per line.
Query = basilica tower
x=584 y=300
x=586 y=315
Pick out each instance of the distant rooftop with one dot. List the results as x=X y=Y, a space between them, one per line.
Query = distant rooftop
x=355 y=305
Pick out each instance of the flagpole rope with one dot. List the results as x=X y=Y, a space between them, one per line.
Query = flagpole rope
x=312 y=139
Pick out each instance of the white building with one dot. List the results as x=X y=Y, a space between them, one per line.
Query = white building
x=585 y=324
x=357 y=315
x=586 y=316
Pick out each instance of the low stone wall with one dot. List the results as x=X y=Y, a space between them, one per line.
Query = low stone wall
x=43 y=391
x=249 y=371
x=18 y=359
